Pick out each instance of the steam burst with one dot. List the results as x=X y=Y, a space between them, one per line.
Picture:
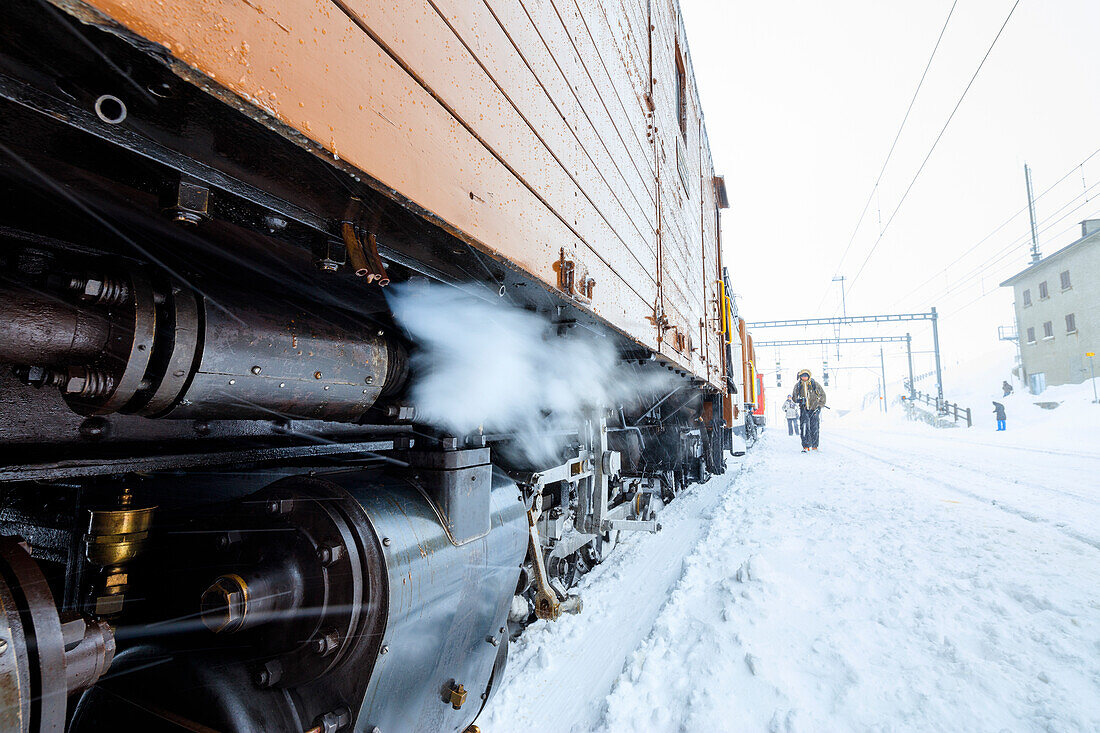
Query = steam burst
x=490 y=365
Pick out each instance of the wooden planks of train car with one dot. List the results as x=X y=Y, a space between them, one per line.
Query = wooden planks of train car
x=556 y=134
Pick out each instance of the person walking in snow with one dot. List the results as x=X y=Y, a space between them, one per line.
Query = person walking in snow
x=810 y=397
x=790 y=409
x=999 y=411
x=1007 y=388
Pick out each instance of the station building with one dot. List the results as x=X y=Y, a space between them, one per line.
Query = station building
x=1057 y=303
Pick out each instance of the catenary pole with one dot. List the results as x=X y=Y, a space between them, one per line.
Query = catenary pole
x=882 y=365
x=936 y=346
x=909 y=353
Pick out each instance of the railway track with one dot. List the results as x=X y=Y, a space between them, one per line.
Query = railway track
x=922 y=471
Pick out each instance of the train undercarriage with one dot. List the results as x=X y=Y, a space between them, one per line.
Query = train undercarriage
x=219 y=508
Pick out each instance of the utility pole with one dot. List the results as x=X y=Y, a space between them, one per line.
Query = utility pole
x=1035 y=256
x=909 y=353
x=936 y=346
x=882 y=365
x=843 y=309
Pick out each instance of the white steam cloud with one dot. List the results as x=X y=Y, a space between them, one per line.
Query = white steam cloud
x=489 y=365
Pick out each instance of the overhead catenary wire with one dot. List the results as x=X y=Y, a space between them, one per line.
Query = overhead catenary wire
x=932 y=149
x=1005 y=270
x=993 y=260
x=893 y=146
x=1002 y=225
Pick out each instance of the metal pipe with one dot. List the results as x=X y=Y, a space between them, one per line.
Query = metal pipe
x=39 y=329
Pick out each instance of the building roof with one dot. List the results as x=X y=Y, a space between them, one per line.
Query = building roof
x=1092 y=237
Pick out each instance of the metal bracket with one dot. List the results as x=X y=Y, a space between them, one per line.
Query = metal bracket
x=632 y=525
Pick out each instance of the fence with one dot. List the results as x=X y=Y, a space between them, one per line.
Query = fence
x=943 y=407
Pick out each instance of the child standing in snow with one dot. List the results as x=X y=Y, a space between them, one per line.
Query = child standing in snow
x=999 y=411
x=790 y=409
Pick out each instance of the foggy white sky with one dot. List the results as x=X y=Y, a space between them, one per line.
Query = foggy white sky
x=802 y=100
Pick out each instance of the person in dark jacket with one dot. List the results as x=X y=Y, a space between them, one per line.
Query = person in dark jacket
x=810 y=397
x=999 y=411
x=1007 y=388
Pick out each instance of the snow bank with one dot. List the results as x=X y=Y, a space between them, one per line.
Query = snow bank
x=976 y=383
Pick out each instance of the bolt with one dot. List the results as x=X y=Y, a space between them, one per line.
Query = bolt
x=385 y=649
x=317 y=375
x=256 y=369
x=386 y=541
x=224 y=605
x=3 y=645
x=493 y=640
x=329 y=554
x=269 y=674
x=327 y=643
x=368 y=379
x=76 y=382
x=457 y=696
x=381 y=332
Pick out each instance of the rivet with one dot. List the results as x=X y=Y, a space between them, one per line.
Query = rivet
x=326 y=387
x=232 y=381
x=369 y=379
x=386 y=541
x=282 y=384
x=381 y=332
x=256 y=369
x=317 y=375
x=385 y=649
x=3 y=645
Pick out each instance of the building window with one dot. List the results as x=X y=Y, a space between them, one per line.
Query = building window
x=1043 y=294
x=1048 y=330
x=1071 y=323
x=1066 y=285
x=681 y=92
x=1027 y=297
x=1031 y=335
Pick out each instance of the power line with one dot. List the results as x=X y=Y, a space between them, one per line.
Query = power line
x=1004 y=270
x=893 y=145
x=1000 y=227
x=934 y=144
x=1046 y=225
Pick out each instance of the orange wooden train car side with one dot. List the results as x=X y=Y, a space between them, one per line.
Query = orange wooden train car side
x=560 y=135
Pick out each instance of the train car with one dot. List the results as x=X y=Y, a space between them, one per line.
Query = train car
x=758 y=413
x=226 y=505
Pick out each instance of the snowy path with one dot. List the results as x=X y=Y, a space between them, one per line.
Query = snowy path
x=950 y=583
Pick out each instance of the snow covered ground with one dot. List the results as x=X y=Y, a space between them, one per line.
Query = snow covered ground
x=902 y=578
